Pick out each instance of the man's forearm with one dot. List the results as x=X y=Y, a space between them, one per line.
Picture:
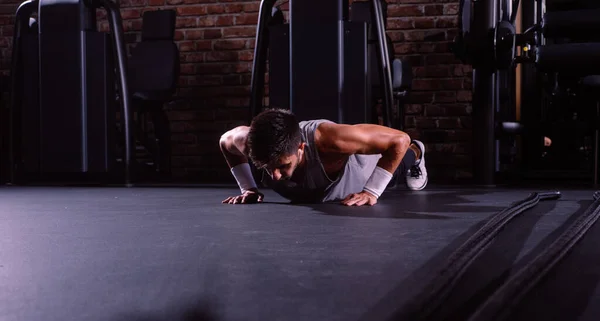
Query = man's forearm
x=386 y=166
x=238 y=163
x=233 y=159
x=233 y=156
x=392 y=157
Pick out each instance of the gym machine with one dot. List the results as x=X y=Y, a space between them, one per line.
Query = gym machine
x=330 y=61
x=489 y=42
x=63 y=97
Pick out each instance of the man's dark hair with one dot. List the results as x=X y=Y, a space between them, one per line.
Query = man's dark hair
x=273 y=133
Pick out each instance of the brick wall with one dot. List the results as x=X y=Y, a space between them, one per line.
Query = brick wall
x=7 y=10
x=216 y=39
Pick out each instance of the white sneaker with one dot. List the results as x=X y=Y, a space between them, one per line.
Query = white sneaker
x=416 y=178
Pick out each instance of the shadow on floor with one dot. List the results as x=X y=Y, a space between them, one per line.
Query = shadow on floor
x=482 y=277
x=414 y=205
x=197 y=311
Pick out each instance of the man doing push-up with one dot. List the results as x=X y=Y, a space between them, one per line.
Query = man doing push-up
x=320 y=160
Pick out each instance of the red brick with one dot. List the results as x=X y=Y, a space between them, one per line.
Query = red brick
x=418 y=97
x=223 y=90
x=215 y=8
x=405 y=10
x=230 y=44
x=414 y=35
x=133 y=3
x=8 y=8
x=207 y=21
x=246 y=19
x=400 y=23
x=441 y=59
x=204 y=45
x=238 y=32
x=425 y=122
x=193 y=57
x=231 y=80
x=213 y=33
x=186 y=22
x=187 y=46
x=222 y=56
x=466 y=122
x=437 y=84
x=412 y=47
x=432 y=71
x=191 y=10
x=462 y=70
x=7 y=31
x=223 y=21
x=445 y=97
x=204 y=80
x=131 y=13
x=193 y=34
x=156 y=2
x=251 y=7
x=434 y=10
x=187 y=69
x=235 y=8
x=246 y=55
x=464 y=96
x=446 y=22
x=396 y=36
x=216 y=68
x=184 y=138
x=199 y=1
x=243 y=67
x=134 y=25
x=7 y=20
x=447 y=123
x=424 y=22
x=451 y=8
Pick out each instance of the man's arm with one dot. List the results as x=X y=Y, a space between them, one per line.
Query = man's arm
x=366 y=139
x=233 y=146
x=234 y=149
x=344 y=139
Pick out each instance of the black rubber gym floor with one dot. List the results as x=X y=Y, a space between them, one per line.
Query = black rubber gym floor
x=179 y=254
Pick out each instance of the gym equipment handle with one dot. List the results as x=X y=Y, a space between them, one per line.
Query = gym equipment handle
x=116 y=24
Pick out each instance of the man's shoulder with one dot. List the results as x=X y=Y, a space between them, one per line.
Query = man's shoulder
x=314 y=124
x=317 y=121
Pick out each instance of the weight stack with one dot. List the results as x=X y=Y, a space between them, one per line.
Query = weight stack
x=68 y=122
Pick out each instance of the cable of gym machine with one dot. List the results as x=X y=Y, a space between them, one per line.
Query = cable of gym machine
x=384 y=62
x=116 y=22
x=499 y=305
x=257 y=81
x=424 y=305
x=24 y=10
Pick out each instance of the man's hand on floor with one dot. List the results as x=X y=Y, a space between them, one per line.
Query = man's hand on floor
x=249 y=197
x=359 y=199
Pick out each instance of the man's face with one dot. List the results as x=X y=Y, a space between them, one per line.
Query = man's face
x=284 y=167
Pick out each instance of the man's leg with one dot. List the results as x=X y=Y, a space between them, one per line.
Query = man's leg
x=409 y=160
x=412 y=169
x=416 y=178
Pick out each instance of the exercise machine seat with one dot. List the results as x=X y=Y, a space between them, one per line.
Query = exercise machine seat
x=154 y=62
x=154 y=68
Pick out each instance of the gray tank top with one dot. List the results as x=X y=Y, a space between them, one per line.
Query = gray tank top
x=314 y=185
